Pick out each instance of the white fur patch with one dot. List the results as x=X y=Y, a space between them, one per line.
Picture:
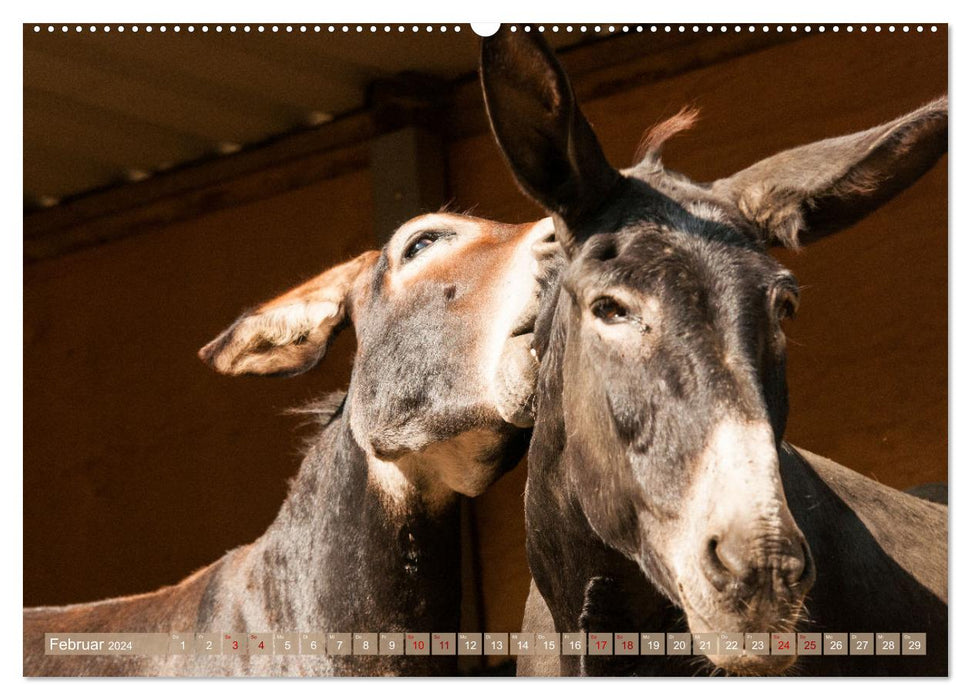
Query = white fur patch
x=436 y=474
x=508 y=302
x=283 y=325
x=706 y=210
x=736 y=480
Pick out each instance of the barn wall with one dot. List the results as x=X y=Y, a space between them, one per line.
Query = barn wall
x=140 y=464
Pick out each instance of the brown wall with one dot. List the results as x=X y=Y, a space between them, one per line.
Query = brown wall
x=140 y=464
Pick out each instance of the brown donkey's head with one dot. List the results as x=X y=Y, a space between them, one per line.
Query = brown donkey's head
x=665 y=357
x=443 y=378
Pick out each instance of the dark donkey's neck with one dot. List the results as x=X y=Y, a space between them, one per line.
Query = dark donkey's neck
x=342 y=556
x=588 y=586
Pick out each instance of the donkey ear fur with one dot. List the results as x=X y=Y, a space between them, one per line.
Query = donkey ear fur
x=547 y=142
x=808 y=192
x=289 y=334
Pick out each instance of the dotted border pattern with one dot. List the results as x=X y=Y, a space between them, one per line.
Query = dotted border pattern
x=442 y=28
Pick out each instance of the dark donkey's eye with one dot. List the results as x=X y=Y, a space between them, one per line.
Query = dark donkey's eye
x=609 y=310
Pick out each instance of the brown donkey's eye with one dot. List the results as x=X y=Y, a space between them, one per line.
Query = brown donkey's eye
x=609 y=310
x=418 y=245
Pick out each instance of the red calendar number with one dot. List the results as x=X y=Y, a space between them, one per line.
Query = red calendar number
x=602 y=644
x=810 y=644
x=627 y=646
x=783 y=644
x=418 y=644
x=235 y=644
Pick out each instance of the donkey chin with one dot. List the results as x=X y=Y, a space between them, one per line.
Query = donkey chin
x=764 y=612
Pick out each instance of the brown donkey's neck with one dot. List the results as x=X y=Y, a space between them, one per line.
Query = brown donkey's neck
x=340 y=557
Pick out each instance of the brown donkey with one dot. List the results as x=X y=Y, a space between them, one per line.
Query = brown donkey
x=367 y=540
x=661 y=495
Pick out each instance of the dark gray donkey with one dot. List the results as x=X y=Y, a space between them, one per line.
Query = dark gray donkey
x=367 y=540
x=661 y=495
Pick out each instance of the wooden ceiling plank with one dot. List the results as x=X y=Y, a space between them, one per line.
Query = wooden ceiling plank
x=98 y=85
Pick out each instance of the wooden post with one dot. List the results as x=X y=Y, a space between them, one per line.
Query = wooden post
x=407 y=177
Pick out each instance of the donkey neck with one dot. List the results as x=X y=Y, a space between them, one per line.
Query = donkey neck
x=345 y=555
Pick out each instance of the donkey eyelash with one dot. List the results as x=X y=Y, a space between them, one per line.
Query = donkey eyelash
x=612 y=312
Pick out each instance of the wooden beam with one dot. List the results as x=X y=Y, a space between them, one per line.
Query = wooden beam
x=617 y=64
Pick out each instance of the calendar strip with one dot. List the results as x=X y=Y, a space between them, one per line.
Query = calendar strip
x=489 y=644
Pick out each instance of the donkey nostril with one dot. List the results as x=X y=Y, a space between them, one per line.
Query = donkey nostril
x=731 y=559
x=715 y=569
x=805 y=573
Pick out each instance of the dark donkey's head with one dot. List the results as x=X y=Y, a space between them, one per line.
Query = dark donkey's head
x=443 y=378
x=666 y=353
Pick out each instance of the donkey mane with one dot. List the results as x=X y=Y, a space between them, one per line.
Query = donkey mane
x=321 y=410
x=657 y=135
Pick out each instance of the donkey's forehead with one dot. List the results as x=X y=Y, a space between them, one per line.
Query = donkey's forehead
x=652 y=255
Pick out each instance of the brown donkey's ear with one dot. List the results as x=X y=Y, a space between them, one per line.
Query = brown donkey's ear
x=544 y=137
x=808 y=192
x=289 y=334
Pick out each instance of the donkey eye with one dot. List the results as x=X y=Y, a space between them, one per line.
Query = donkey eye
x=418 y=245
x=609 y=310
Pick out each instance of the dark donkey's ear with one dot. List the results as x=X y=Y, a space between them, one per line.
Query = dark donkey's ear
x=544 y=137
x=289 y=334
x=808 y=192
